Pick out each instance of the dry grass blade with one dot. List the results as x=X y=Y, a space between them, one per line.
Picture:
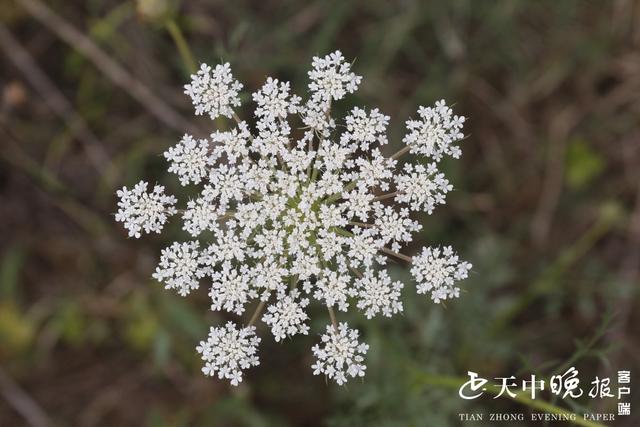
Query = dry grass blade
x=19 y=400
x=110 y=68
x=56 y=101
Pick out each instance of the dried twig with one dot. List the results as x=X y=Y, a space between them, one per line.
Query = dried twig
x=560 y=128
x=56 y=101
x=110 y=68
x=22 y=403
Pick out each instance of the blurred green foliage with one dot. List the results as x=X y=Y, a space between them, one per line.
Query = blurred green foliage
x=545 y=205
x=583 y=165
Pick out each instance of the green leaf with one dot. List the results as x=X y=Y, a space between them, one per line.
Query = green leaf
x=10 y=271
x=16 y=331
x=583 y=164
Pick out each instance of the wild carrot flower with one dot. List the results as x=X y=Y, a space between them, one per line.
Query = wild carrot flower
x=142 y=211
x=228 y=351
x=291 y=214
x=340 y=355
x=214 y=91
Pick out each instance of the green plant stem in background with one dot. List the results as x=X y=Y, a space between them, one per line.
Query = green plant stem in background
x=256 y=314
x=332 y=315
x=609 y=216
x=182 y=45
x=400 y=153
x=454 y=383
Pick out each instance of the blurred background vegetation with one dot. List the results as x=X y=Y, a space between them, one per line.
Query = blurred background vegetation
x=546 y=207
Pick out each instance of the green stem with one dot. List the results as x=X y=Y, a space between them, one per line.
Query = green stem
x=361 y=224
x=342 y=232
x=548 y=280
x=397 y=255
x=347 y=233
x=332 y=316
x=182 y=45
x=314 y=174
x=400 y=153
x=257 y=313
x=350 y=186
x=386 y=196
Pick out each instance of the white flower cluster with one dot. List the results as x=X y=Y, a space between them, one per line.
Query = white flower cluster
x=287 y=215
x=436 y=131
x=423 y=188
x=378 y=294
x=228 y=351
x=214 y=91
x=140 y=210
x=190 y=159
x=340 y=355
x=179 y=267
x=436 y=270
x=286 y=317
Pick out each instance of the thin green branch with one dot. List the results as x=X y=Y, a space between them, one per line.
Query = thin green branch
x=400 y=152
x=182 y=45
x=386 y=196
x=257 y=313
x=397 y=255
x=334 y=321
x=361 y=224
x=350 y=186
x=548 y=280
